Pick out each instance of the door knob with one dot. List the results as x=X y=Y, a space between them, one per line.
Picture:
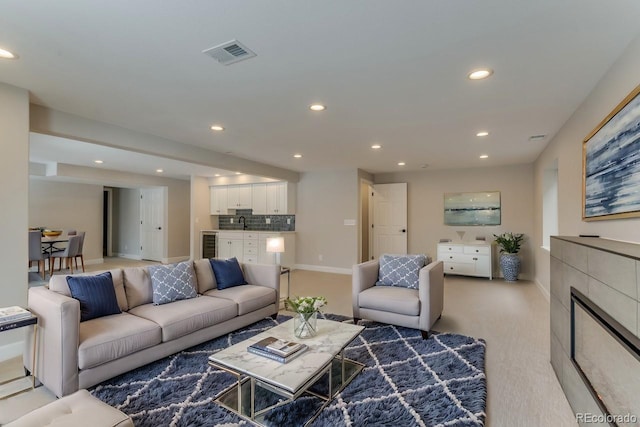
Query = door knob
x=404 y=230
x=159 y=228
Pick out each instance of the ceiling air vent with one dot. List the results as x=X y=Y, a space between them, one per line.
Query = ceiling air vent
x=230 y=52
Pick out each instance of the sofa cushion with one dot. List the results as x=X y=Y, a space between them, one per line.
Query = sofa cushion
x=227 y=272
x=173 y=282
x=248 y=297
x=58 y=283
x=111 y=337
x=400 y=270
x=74 y=410
x=137 y=286
x=204 y=275
x=183 y=317
x=391 y=299
x=96 y=295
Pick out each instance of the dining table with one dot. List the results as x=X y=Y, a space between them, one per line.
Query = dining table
x=49 y=241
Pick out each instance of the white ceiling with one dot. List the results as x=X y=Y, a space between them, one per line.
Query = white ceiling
x=390 y=72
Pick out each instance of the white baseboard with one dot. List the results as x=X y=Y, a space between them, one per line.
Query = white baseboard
x=543 y=291
x=9 y=351
x=323 y=269
x=128 y=256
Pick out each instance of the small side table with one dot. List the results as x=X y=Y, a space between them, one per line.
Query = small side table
x=15 y=324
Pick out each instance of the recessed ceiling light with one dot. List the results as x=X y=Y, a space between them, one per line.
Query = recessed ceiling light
x=159 y=170
x=238 y=173
x=484 y=156
x=317 y=107
x=217 y=174
x=424 y=166
x=297 y=156
x=480 y=74
x=5 y=54
x=98 y=162
x=217 y=128
x=401 y=163
x=376 y=146
x=482 y=133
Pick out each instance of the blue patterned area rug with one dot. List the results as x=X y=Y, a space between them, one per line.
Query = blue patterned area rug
x=407 y=381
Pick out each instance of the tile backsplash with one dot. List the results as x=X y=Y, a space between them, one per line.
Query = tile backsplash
x=257 y=222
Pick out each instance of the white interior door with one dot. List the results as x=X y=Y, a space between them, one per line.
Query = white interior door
x=389 y=219
x=152 y=223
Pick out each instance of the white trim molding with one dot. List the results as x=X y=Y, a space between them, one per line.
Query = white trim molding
x=543 y=291
x=323 y=269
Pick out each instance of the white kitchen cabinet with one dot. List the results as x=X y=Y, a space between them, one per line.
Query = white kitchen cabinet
x=239 y=196
x=280 y=198
x=259 y=199
x=230 y=245
x=218 y=199
x=467 y=259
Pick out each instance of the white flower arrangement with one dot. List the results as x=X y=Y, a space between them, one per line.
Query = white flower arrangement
x=305 y=304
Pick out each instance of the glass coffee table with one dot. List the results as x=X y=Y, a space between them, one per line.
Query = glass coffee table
x=264 y=385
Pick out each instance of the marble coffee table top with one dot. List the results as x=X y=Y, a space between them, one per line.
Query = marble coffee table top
x=332 y=337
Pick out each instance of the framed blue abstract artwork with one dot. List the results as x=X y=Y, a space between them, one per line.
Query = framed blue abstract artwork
x=611 y=164
x=472 y=208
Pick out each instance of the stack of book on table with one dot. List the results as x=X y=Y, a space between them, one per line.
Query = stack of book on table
x=12 y=314
x=279 y=350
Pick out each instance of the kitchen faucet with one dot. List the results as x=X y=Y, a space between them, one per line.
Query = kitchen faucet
x=243 y=220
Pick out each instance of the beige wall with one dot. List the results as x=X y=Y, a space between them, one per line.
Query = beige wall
x=566 y=147
x=63 y=206
x=126 y=222
x=201 y=218
x=324 y=201
x=14 y=172
x=425 y=199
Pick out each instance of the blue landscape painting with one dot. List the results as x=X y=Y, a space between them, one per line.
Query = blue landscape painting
x=612 y=165
x=472 y=208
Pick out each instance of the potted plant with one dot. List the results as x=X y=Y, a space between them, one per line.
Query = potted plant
x=306 y=314
x=509 y=244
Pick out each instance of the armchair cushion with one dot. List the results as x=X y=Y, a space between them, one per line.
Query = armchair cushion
x=400 y=270
x=96 y=294
x=390 y=299
x=173 y=282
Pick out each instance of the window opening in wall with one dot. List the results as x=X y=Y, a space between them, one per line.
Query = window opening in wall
x=549 y=204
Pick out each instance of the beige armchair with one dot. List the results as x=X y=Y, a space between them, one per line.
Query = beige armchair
x=412 y=308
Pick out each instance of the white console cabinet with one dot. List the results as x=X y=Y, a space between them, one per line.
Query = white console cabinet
x=467 y=259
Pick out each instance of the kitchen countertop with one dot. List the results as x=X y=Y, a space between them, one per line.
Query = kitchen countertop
x=254 y=231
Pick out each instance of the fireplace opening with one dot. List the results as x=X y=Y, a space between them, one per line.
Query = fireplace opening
x=607 y=357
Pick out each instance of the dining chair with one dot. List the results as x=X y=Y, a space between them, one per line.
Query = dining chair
x=35 y=251
x=68 y=254
x=80 y=249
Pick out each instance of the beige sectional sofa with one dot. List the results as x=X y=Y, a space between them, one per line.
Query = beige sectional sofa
x=74 y=355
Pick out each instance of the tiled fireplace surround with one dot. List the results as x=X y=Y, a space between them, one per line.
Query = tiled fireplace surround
x=608 y=273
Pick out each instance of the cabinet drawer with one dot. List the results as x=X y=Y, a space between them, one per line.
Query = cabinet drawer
x=459 y=268
x=485 y=250
x=253 y=259
x=450 y=248
x=250 y=235
x=460 y=258
x=250 y=251
x=250 y=244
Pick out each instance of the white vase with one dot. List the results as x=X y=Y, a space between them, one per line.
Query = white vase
x=305 y=325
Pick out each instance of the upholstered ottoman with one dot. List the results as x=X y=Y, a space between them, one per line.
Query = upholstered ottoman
x=77 y=409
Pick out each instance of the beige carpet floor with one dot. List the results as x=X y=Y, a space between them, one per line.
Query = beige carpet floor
x=512 y=317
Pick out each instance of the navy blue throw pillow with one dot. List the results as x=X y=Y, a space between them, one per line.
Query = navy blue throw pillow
x=228 y=272
x=96 y=294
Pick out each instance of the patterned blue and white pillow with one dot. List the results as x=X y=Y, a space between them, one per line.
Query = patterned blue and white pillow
x=173 y=282
x=400 y=270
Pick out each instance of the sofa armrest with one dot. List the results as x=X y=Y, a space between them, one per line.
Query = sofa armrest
x=365 y=275
x=431 y=293
x=58 y=340
x=263 y=275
